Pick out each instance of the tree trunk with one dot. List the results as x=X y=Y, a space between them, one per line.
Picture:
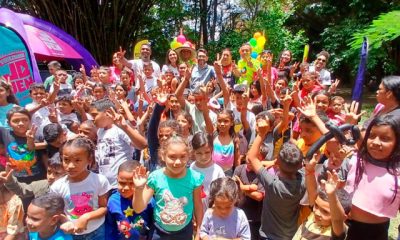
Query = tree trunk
x=100 y=28
x=203 y=23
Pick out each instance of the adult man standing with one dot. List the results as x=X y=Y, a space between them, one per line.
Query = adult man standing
x=53 y=66
x=202 y=73
x=137 y=64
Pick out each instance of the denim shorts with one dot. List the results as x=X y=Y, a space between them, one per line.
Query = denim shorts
x=185 y=233
x=98 y=234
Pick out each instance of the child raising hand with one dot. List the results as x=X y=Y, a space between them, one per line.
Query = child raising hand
x=175 y=205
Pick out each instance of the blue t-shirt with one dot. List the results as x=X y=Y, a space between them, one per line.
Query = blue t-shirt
x=123 y=223
x=3 y=115
x=58 y=235
x=174 y=198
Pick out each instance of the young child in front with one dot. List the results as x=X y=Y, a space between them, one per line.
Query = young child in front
x=202 y=145
x=377 y=159
x=121 y=221
x=176 y=189
x=44 y=218
x=253 y=192
x=20 y=145
x=11 y=212
x=85 y=193
x=330 y=206
x=115 y=139
x=223 y=220
x=283 y=191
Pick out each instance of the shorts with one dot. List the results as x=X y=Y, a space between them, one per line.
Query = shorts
x=184 y=233
x=359 y=230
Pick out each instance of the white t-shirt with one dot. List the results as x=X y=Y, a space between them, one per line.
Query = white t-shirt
x=149 y=84
x=251 y=118
x=198 y=119
x=210 y=174
x=72 y=116
x=40 y=119
x=137 y=64
x=324 y=76
x=165 y=68
x=82 y=197
x=113 y=148
x=65 y=89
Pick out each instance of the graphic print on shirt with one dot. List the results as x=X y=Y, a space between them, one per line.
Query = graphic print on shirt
x=105 y=153
x=22 y=160
x=125 y=227
x=220 y=231
x=173 y=213
x=80 y=204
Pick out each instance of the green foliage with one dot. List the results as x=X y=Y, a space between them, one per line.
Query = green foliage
x=272 y=21
x=229 y=39
x=330 y=25
x=384 y=29
x=280 y=37
x=380 y=34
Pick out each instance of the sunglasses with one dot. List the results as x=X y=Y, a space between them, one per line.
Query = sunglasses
x=321 y=60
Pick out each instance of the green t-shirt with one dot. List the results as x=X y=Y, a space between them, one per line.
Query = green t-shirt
x=174 y=198
x=246 y=72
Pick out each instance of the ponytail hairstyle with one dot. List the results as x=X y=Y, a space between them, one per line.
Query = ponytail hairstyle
x=392 y=163
x=175 y=139
x=224 y=187
x=11 y=97
x=202 y=139
x=80 y=142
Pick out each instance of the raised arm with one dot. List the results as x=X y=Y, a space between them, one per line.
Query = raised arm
x=143 y=192
x=309 y=110
x=311 y=182
x=122 y=59
x=243 y=115
x=262 y=86
x=286 y=107
x=137 y=139
x=338 y=215
x=262 y=130
x=181 y=88
x=206 y=114
x=221 y=81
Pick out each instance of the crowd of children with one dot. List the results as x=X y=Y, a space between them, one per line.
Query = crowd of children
x=197 y=151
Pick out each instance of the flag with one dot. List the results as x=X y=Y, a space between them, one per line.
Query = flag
x=359 y=83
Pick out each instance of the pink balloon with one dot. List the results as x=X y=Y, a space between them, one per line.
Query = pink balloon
x=181 y=39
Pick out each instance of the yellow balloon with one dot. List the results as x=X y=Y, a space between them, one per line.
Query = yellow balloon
x=257 y=35
x=261 y=41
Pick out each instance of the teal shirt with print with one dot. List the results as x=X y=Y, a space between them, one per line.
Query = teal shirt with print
x=58 y=235
x=174 y=198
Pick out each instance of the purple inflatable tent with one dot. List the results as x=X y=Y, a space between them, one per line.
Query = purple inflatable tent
x=26 y=40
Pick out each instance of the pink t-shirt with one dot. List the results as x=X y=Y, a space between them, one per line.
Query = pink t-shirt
x=374 y=193
x=223 y=155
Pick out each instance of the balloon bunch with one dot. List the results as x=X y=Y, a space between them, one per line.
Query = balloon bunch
x=179 y=41
x=257 y=43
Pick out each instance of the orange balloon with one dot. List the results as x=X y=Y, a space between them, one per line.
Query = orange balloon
x=257 y=35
